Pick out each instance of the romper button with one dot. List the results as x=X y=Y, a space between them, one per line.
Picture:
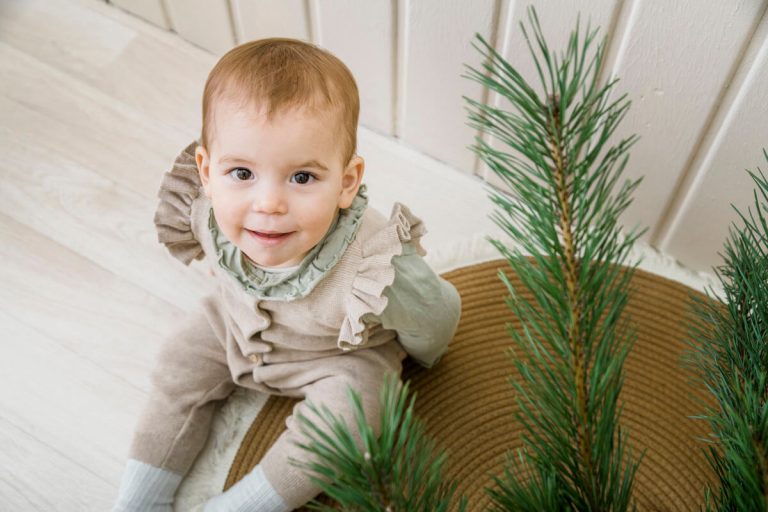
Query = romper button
x=256 y=358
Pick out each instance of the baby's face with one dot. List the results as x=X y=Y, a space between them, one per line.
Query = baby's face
x=276 y=186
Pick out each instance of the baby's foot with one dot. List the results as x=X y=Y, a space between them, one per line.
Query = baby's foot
x=252 y=493
x=146 y=488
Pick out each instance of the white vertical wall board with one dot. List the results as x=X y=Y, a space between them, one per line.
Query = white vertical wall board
x=270 y=18
x=402 y=28
x=438 y=46
x=151 y=10
x=361 y=34
x=206 y=23
x=558 y=20
x=455 y=209
x=676 y=61
x=313 y=13
x=734 y=144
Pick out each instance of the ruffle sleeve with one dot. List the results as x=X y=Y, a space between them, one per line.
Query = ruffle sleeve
x=173 y=218
x=376 y=272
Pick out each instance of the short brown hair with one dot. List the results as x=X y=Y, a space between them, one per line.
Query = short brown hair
x=280 y=74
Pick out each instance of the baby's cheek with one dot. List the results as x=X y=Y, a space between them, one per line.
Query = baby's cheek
x=324 y=227
x=227 y=221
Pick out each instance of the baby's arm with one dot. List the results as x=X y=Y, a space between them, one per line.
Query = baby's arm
x=422 y=307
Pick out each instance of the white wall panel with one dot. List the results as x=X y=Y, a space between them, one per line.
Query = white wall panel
x=361 y=34
x=734 y=144
x=151 y=10
x=270 y=18
x=438 y=45
x=674 y=61
x=206 y=23
x=557 y=19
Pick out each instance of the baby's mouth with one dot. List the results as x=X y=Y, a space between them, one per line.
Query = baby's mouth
x=269 y=236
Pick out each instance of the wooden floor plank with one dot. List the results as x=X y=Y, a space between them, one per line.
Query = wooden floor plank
x=81 y=306
x=88 y=125
x=35 y=476
x=65 y=425
x=87 y=212
x=84 y=123
x=142 y=94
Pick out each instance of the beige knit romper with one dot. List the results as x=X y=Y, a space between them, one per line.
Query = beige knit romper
x=312 y=347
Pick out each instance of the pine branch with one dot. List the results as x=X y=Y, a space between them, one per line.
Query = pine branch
x=562 y=171
x=730 y=356
x=396 y=471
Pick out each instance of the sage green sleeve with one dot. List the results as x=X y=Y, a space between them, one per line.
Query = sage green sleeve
x=423 y=308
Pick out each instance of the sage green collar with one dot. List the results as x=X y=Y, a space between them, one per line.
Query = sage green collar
x=315 y=265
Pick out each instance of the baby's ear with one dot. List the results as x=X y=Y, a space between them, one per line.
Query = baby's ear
x=351 y=180
x=203 y=167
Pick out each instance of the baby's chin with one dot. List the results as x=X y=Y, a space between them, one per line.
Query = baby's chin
x=276 y=262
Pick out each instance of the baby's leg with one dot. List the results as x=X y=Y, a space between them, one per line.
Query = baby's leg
x=189 y=379
x=275 y=485
x=326 y=385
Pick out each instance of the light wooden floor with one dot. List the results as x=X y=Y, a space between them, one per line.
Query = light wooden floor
x=89 y=116
x=94 y=106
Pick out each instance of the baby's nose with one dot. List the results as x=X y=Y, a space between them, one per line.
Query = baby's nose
x=269 y=199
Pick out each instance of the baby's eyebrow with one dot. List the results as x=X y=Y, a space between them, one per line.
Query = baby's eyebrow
x=232 y=158
x=313 y=163
x=309 y=163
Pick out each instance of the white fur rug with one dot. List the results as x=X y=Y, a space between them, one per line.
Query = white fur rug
x=207 y=476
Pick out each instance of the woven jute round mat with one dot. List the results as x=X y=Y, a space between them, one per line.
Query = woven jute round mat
x=469 y=407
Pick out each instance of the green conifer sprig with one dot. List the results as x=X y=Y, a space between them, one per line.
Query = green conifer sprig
x=729 y=339
x=397 y=471
x=562 y=171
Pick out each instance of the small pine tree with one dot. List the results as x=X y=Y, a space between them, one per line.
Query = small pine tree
x=729 y=336
x=575 y=339
x=399 y=470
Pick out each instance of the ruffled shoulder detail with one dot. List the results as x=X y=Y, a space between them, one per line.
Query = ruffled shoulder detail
x=173 y=217
x=376 y=271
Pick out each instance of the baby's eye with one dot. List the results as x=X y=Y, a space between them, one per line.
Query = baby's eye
x=240 y=174
x=302 y=177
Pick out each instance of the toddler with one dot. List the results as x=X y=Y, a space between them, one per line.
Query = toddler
x=315 y=292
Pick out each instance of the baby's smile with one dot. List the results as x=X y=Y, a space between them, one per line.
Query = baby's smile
x=269 y=238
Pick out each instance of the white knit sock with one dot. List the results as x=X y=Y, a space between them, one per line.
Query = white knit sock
x=253 y=493
x=147 y=488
